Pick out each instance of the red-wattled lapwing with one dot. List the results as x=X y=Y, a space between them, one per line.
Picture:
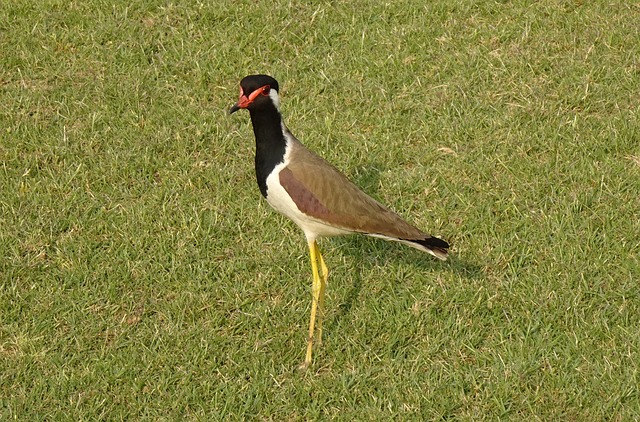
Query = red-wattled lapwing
x=314 y=194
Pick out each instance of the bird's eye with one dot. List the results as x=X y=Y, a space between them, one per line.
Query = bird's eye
x=266 y=89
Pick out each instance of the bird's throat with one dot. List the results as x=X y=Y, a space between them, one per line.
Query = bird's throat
x=270 y=143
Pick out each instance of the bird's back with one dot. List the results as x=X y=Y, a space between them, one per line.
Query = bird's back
x=332 y=197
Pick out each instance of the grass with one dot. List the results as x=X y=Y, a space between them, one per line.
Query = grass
x=143 y=277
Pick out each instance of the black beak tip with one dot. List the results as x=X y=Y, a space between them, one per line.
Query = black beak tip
x=234 y=108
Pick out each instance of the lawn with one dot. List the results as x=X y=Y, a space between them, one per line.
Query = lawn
x=143 y=277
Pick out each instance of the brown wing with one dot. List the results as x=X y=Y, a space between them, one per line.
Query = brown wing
x=321 y=191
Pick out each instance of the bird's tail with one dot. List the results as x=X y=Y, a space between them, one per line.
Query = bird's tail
x=431 y=244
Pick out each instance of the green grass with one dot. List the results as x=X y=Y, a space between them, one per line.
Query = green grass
x=143 y=276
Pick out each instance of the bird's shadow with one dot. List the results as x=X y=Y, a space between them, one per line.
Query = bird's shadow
x=386 y=253
x=368 y=178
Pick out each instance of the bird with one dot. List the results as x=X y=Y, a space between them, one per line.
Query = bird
x=315 y=195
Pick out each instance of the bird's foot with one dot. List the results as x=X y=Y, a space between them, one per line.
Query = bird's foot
x=304 y=366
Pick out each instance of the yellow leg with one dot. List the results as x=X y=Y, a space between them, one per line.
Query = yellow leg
x=323 y=288
x=318 y=289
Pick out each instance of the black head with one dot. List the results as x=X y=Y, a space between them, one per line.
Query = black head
x=254 y=91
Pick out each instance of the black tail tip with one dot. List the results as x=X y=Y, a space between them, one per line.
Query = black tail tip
x=436 y=246
x=433 y=243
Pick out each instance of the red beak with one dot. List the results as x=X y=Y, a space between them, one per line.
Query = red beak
x=245 y=101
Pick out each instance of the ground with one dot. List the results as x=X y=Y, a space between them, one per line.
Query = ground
x=144 y=277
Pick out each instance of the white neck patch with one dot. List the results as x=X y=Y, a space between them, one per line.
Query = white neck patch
x=275 y=98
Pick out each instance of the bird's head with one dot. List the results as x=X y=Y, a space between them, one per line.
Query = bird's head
x=257 y=91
